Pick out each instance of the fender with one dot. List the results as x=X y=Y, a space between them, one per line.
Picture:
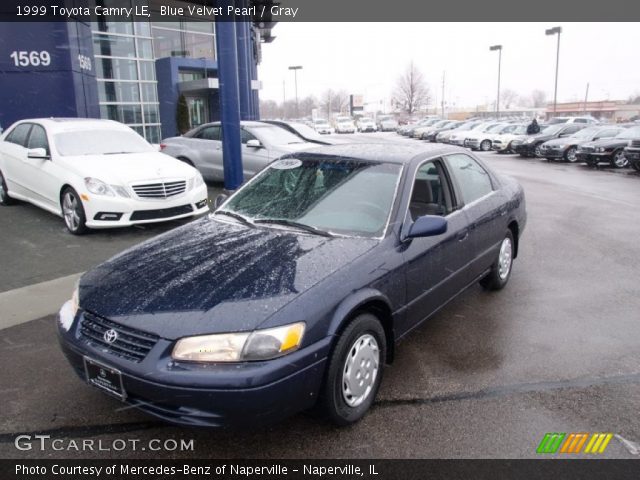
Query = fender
x=352 y=302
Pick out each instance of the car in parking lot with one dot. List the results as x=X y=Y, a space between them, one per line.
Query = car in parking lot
x=432 y=135
x=530 y=146
x=632 y=154
x=482 y=138
x=261 y=144
x=609 y=150
x=565 y=148
x=366 y=125
x=583 y=120
x=457 y=135
x=409 y=129
x=322 y=126
x=282 y=299
x=501 y=142
x=386 y=123
x=95 y=174
x=429 y=126
x=344 y=125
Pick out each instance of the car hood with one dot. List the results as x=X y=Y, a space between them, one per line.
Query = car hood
x=212 y=277
x=126 y=168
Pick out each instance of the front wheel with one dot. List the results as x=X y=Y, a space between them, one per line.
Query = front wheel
x=354 y=371
x=618 y=160
x=485 y=146
x=73 y=212
x=570 y=155
x=500 y=272
x=5 y=199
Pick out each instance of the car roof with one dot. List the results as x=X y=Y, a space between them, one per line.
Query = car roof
x=60 y=124
x=399 y=153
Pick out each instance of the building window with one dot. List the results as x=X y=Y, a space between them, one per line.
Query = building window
x=125 y=72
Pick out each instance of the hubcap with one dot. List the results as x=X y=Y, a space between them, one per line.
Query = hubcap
x=485 y=145
x=504 y=259
x=537 y=151
x=571 y=154
x=620 y=160
x=70 y=211
x=360 y=370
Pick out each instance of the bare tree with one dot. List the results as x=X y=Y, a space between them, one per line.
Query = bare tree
x=411 y=91
x=332 y=101
x=307 y=105
x=538 y=98
x=270 y=109
x=508 y=97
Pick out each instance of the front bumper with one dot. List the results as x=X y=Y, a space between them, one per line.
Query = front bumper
x=472 y=143
x=632 y=154
x=552 y=152
x=111 y=212
x=246 y=394
x=593 y=157
x=499 y=146
x=526 y=149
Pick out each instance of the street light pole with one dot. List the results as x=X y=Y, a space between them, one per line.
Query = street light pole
x=295 y=69
x=499 y=49
x=553 y=31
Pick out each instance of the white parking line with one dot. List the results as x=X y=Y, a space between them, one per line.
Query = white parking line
x=35 y=301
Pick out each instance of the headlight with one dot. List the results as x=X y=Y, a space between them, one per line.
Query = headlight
x=69 y=310
x=198 y=181
x=600 y=149
x=98 y=187
x=236 y=347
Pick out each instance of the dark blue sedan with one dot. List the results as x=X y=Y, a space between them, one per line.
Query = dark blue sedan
x=293 y=293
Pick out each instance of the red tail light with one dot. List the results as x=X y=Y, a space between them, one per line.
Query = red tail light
x=163 y=146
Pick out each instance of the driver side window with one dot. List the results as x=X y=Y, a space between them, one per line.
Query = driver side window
x=431 y=194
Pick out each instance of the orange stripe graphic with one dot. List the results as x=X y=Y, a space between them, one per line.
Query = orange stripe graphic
x=581 y=443
x=567 y=442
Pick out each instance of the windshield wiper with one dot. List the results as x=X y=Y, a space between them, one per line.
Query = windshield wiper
x=235 y=215
x=294 y=224
x=117 y=153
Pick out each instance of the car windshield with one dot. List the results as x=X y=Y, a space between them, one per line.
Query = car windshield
x=557 y=120
x=632 y=133
x=442 y=123
x=586 y=133
x=275 y=135
x=102 y=141
x=314 y=193
x=479 y=127
x=321 y=122
x=305 y=130
x=383 y=118
x=520 y=130
x=552 y=129
x=496 y=128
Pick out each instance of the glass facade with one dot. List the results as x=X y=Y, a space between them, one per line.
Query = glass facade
x=182 y=37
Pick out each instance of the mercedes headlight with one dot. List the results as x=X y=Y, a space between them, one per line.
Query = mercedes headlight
x=237 y=347
x=98 y=187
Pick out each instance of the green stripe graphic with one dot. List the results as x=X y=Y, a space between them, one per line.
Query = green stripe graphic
x=550 y=443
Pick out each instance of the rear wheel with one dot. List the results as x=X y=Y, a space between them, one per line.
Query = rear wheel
x=354 y=371
x=618 y=160
x=501 y=268
x=73 y=212
x=5 y=199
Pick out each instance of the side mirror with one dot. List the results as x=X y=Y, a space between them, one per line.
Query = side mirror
x=253 y=143
x=428 y=226
x=220 y=199
x=39 y=153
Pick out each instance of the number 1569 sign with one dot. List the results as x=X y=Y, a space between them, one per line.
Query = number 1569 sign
x=31 y=59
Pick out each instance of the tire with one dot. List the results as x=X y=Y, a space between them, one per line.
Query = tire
x=502 y=266
x=618 y=160
x=636 y=165
x=5 y=199
x=73 y=212
x=570 y=155
x=363 y=339
x=485 y=145
x=536 y=151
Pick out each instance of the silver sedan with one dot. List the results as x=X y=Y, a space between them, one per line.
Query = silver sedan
x=261 y=144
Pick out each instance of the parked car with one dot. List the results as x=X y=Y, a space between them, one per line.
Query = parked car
x=270 y=305
x=501 y=142
x=261 y=144
x=322 y=126
x=302 y=130
x=610 y=150
x=419 y=132
x=632 y=154
x=344 y=125
x=366 y=125
x=425 y=123
x=565 y=148
x=386 y=123
x=95 y=174
x=530 y=147
x=585 y=120
x=481 y=138
x=432 y=135
x=452 y=136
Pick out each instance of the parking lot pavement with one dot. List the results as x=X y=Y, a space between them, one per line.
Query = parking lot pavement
x=488 y=376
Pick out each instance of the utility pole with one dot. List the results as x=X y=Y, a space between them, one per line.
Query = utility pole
x=499 y=49
x=295 y=69
x=554 y=31
x=586 y=95
x=443 y=74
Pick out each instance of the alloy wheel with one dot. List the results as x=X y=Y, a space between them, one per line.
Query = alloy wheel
x=71 y=211
x=360 y=370
x=485 y=146
x=571 y=155
x=619 y=160
x=504 y=258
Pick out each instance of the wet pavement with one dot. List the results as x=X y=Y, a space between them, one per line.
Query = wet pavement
x=488 y=376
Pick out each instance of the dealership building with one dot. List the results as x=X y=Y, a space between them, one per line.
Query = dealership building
x=133 y=71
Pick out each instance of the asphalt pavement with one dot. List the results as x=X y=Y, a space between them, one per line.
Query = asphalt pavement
x=487 y=377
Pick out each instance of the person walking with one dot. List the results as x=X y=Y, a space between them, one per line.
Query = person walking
x=533 y=127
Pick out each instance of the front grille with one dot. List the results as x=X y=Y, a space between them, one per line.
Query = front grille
x=160 y=190
x=586 y=149
x=635 y=143
x=139 y=215
x=131 y=344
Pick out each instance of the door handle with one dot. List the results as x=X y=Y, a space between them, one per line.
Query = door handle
x=462 y=236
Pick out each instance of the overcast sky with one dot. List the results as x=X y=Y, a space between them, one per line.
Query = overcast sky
x=367 y=58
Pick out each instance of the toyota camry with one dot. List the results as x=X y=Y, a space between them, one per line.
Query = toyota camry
x=292 y=294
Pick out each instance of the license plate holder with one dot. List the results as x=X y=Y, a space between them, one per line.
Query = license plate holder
x=107 y=379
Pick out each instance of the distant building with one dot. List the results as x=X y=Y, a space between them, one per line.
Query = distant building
x=611 y=110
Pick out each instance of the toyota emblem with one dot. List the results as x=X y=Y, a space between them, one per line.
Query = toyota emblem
x=110 y=336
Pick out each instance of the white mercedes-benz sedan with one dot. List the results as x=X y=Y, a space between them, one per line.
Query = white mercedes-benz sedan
x=95 y=174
